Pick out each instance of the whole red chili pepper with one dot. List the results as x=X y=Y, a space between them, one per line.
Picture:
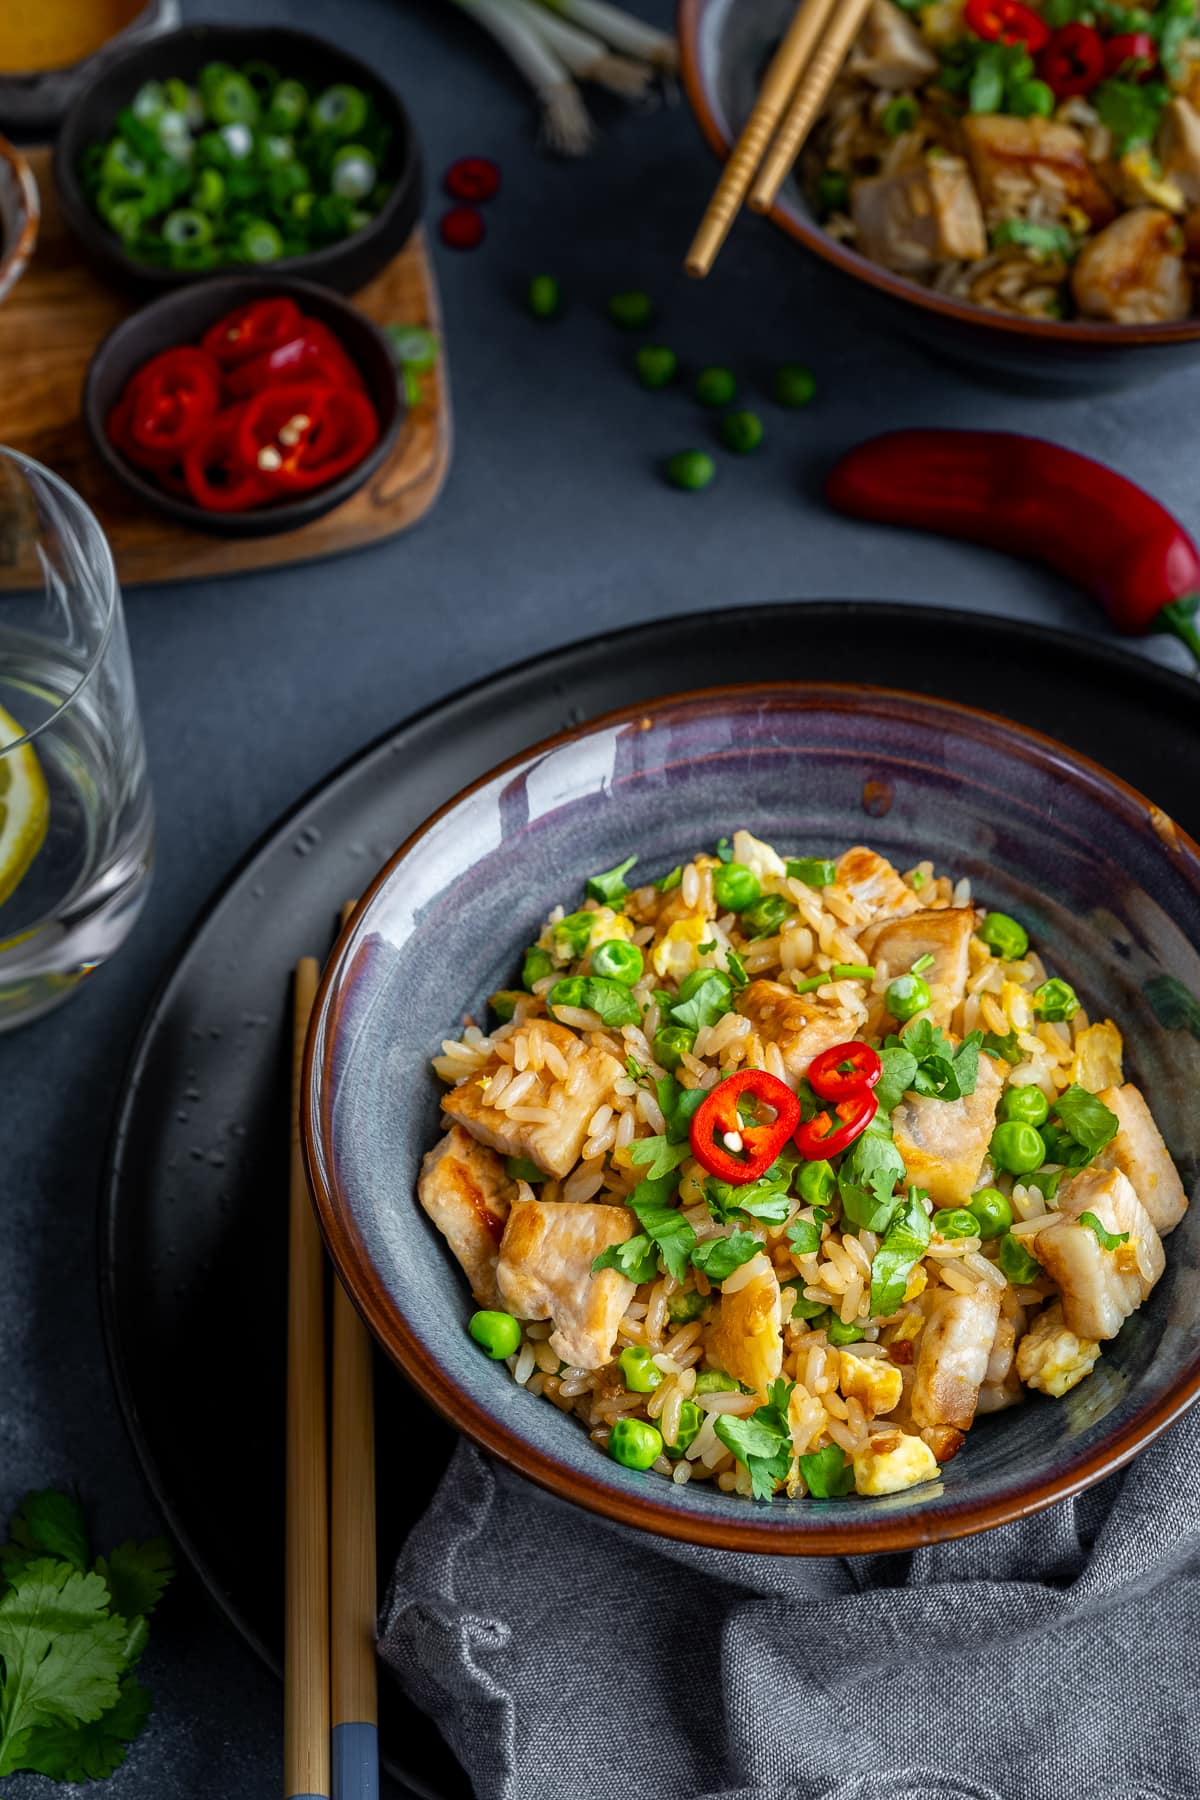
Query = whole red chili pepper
x=1073 y=61
x=844 y=1069
x=835 y=1129
x=1006 y=22
x=1035 y=499
x=1131 y=53
x=755 y=1145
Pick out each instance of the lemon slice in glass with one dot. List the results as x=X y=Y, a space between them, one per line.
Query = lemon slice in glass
x=24 y=807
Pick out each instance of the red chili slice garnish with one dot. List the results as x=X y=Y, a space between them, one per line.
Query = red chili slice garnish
x=462 y=228
x=1131 y=53
x=217 y=478
x=262 y=325
x=1073 y=61
x=718 y=1118
x=836 y=1128
x=304 y=435
x=472 y=178
x=844 y=1069
x=1006 y=22
x=314 y=354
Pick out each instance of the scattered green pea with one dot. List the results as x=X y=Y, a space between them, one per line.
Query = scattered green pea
x=816 y=1183
x=690 y=469
x=992 y=1210
x=765 y=917
x=1027 y=1105
x=1018 y=1148
x=497 y=1333
x=638 y=1369
x=685 y=1308
x=838 y=1333
x=1031 y=99
x=907 y=996
x=1003 y=936
x=656 y=366
x=1055 y=999
x=741 y=432
x=537 y=965
x=715 y=387
x=735 y=887
x=955 y=1222
x=670 y=1044
x=504 y=1003
x=632 y=309
x=690 y=1421
x=543 y=297
x=1016 y=1262
x=833 y=192
x=900 y=115
x=793 y=385
x=634 y=1444
x=715 y=1381
x=618 y=960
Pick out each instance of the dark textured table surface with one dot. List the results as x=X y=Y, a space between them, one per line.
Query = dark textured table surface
x=552 y=525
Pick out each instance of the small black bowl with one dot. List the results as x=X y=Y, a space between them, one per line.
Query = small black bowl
x=346 y=265
x=183 y=318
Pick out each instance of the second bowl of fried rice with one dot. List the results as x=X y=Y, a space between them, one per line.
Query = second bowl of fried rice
x=1017 y=185
x=766 y=1118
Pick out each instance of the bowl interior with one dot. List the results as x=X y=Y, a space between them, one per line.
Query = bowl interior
x=184 y=52
x=1112 y=902
x=183 y=317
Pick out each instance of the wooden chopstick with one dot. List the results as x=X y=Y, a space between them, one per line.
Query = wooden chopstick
x=355 y=1741
x=786 y=67
x=306 y=1601
x=811 y=96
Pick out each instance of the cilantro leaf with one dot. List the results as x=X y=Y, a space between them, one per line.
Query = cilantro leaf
x=137 y=1575
x=1172 y=22
x=1130 y=109
x=47 y=1523
x=63 y=1653
x=802 y=1306
x=1003 y=1049
x=735 y=968
x=1107 y=1240
x=91 y=1751
x=1087 y=1122
x=667 y=883
x=664 y=1223
x=1040 y=240
x=709 y=1003
x=661 y=1155
x=867 y=1179
x=899 y=1072
x=677 y=1104
x=943 y=1073
x=573 y=934
x=804 y=1237
x=904 y=1244
x=720 y=1256
x=636 y=1258
x=724 y=850
x=827 y=1473
x=1016 y=1262
x=762 y=1442
x=610 y=888
x=611 y=999
x=770 y=1205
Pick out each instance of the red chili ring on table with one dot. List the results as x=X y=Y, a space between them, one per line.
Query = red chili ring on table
x=844 y=1069
x=462 y=228
x=718 y=1116
x=473 y=178
x=1006 y=22
x=837 y=1127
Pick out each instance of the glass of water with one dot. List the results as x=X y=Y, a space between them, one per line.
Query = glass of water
x=76 y=822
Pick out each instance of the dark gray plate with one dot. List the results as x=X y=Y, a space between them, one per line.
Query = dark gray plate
x=193 y=1227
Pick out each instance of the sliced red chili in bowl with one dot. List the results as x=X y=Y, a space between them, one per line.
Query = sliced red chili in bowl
x=844 y=1069
x=216 y=476
x=314 y=354
x=837 y=1127
x=304 y=435
x=732 y=1147
x=262 y=325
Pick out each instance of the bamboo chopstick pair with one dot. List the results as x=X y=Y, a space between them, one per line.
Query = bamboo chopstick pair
x=330 y=1719
x=799 y=78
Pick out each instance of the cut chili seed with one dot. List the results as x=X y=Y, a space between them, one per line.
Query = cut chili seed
x=472 y=178
x=462 y=228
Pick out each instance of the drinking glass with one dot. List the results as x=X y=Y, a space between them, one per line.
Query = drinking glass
x=76 y=822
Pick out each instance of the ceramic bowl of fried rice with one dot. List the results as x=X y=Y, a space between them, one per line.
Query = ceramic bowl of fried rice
x=1048 y=233
x=738 y=1327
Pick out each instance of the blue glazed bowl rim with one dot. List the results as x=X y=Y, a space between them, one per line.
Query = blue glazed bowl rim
x=762 y=1530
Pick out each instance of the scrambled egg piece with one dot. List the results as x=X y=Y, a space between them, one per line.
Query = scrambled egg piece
x=1097 y=1061
x=766 y=863
x=674 y=957
x=872 y=1380
x=1053 y=1359
x=892 y=1461
x=747 y=1339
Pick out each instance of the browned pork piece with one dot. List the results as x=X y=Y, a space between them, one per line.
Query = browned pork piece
x=465 y=1191
x=913 y=220
x=1032 y=168
x=562 y=1107
x=1099 y=1287
x=1139 y=1152
x=953 y=1352
x=799 y=1023
x=1178 y=146
x=872 y=883
x=894 y=947
x=545 y=1272
x=1132 y=271
x=890 y=52
x=944 y=1142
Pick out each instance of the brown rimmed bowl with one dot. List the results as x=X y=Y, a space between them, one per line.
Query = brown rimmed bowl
x=20 y=212
x=1110 y=891
x=725 y=46
x=182 y=317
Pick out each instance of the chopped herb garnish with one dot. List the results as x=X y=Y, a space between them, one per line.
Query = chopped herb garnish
x=523 y=1168
x=814 y=871
x=735 y=968
x=827 y=1474
x=724 y=850
x=612 y=1000
x=852 y=972
x=942 y=1072
x=677 y=1104
x=660 y=1155
x=922 y=963
x=1107 y=1240
x=1130 y=109
x=1003 y=1049
x=634 y=1070
x=811 y=983
x=904 y=1244
x=867 y=1179
x=720 y=1256
x=1040 y=240
x=574 y=933
x=610 y=888
x=763 y=1443
x=1086 y=1123
x=804 y=1237
x=706 y=949
x=664 y=1223
x=899 y=1073
x=1015 y=1261
x=917 y=880
x=666 y=883
x=636 y=1258
x=708 y=1002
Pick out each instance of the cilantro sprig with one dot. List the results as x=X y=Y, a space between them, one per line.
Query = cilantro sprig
x=763 y=1442
x=71 y=1635
x=924 y=1061
x=1107 y=1240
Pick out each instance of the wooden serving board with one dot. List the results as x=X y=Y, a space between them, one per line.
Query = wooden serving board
x=49 y=327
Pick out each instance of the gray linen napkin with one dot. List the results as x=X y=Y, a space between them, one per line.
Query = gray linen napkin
x=565 y=1658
